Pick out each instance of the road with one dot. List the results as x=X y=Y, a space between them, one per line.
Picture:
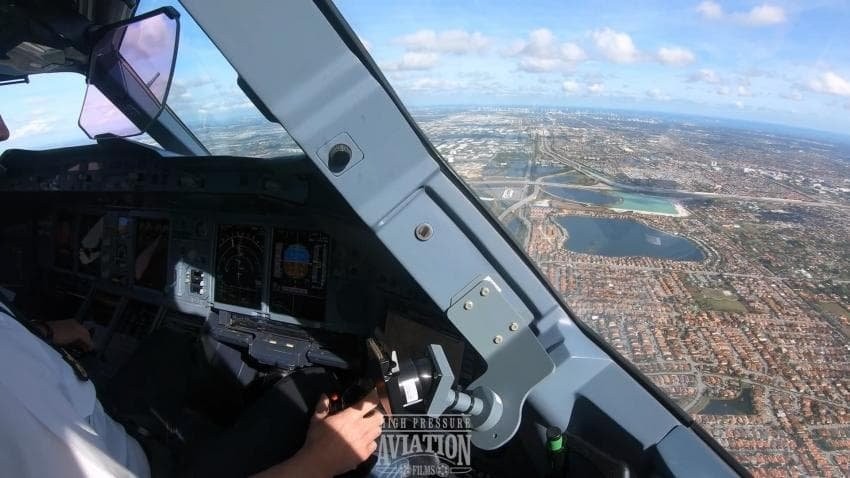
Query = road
x=609 y=184
x=666 y=192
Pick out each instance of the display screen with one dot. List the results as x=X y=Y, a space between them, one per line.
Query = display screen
x=239 y=259
x=299 y=269
x=151 y=261
x=90 y=244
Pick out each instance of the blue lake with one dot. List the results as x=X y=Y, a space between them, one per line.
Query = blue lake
x=583 y=196
x=625 y=238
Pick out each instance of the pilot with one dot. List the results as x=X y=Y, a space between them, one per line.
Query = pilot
x=54 y=425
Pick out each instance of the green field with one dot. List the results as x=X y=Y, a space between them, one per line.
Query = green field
x=715 y=299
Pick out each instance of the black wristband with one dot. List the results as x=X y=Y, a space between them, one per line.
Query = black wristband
x=46 y=330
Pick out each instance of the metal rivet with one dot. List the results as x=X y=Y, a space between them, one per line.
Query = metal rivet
x=497 y=339
x=514 y=326
x=485 y=291
x=424 y=231
x=468 y=305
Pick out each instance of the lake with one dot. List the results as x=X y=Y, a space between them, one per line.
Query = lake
x=625 y=238
x=583 y=196
x=614 y=199
x=740 y=405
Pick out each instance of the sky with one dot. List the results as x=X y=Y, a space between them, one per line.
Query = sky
x=775 y=61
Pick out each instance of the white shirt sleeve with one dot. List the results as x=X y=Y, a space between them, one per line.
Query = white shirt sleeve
x=51 y=422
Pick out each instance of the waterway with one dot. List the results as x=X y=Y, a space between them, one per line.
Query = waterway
x=625 y=238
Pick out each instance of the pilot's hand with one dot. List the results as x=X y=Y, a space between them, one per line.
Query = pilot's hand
x=71 y=332
x=338 y=443
x=335 y=443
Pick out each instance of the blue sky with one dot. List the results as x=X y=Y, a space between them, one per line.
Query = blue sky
x=774 y=61
x=771 y=61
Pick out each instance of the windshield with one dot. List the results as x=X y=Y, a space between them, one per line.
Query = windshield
x=206 y=97
x=680 y=172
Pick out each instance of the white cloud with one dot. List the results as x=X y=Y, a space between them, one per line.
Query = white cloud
x=457 y=42
x=677 y=56
x=432 y=84
x=570 y=86
x=41 y=124
x=414 y=60
x=830 y=83
x=596 y=88
x=542 y=52
x=761 y=15
x=710 y=10
x=739 y=105
x=615 y=46
x=705 y=75
x=758 y=16
x=744 y=91
x=723 y=91
x=657 y=94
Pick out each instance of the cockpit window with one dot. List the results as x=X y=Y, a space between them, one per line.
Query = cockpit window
x=206 y=97
x=43 y=113
x=680 y=173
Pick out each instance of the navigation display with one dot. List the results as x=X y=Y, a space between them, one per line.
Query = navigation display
x=151 y=261
x=299 y=269
x=90 y=244
x=239 y=260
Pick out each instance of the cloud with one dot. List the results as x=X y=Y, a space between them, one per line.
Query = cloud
x=762 y=15
x=542 y=53
x=830 y=83
x=570 y=86
x=595 y=88
x=657 y=94
x=710 y=10
x=705 y=75
x=456 y=42
x=739 y=105
x=414 y=60
x=677 y=56
x=723 y=91
x=744 y=91
x=615 y=46
x=41 y=124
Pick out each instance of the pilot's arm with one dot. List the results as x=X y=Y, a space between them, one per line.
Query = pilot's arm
x=335 y=443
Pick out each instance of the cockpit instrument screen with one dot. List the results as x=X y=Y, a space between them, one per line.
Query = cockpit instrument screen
x=299 y=269
x=90 y=244
x=151 y=262
x=239 y=265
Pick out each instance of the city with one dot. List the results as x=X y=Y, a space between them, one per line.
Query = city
x=713 y=258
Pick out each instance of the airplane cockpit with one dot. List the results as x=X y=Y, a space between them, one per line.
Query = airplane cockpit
x=359 y=253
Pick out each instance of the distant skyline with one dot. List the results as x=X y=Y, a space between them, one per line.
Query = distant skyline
x=776 y=62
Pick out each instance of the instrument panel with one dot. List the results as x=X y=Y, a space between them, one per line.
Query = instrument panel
x=195 y=261
x=239 y=260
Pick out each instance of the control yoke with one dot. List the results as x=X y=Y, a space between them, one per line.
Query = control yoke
x=426 y=383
